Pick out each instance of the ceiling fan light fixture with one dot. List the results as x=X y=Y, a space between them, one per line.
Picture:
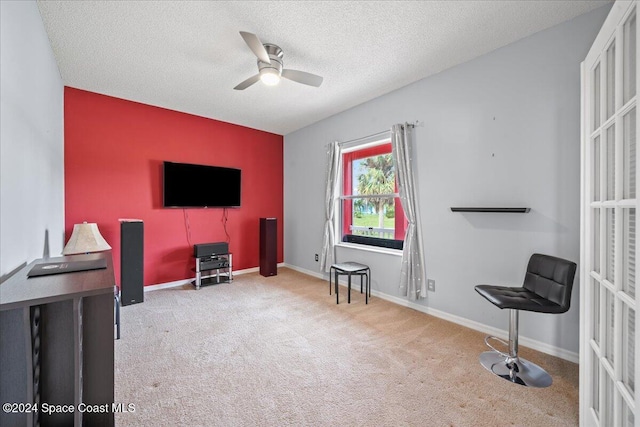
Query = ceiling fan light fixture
x=270 y=68
x=269 y=76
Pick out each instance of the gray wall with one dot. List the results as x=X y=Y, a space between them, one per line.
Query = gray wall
x=500 y=130
x=31 y=139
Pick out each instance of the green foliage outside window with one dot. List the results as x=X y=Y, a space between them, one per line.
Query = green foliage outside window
x=377 y=177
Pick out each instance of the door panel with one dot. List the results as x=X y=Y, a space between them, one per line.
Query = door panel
x=608 y=361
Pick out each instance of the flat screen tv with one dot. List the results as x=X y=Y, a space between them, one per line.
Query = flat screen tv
x=187 y=185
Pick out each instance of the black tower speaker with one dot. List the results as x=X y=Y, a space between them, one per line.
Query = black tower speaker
x=268 y=247
x=131 y=262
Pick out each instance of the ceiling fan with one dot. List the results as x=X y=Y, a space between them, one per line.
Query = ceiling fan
x=270 y=65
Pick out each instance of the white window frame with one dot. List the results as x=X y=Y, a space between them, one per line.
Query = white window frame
x=350 y=147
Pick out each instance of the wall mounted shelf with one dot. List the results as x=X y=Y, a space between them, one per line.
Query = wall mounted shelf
x=492 y=210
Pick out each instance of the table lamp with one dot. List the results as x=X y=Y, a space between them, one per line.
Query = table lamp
x=85 y=238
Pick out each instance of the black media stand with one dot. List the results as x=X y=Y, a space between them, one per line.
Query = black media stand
x=213 y=269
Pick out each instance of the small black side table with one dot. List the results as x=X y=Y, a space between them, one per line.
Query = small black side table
x=350 y=269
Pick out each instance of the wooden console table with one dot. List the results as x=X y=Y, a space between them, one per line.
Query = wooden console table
x=57 y=345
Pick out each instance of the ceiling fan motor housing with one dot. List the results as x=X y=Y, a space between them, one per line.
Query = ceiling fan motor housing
x=275 y=54
x=270 y=65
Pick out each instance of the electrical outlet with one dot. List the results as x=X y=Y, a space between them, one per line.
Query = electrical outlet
x=431 y=285
x=316 y=257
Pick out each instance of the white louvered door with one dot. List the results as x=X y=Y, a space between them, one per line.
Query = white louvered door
x=609 y=326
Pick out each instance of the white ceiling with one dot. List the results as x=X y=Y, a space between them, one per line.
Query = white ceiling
x=188 y=55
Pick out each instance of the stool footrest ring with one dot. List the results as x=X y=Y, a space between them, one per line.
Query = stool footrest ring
x=491 y=337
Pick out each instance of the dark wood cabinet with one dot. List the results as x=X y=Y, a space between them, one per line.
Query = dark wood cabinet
x=268 y=246
x=57 y=345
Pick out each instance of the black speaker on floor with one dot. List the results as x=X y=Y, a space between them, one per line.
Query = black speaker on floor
x=131 y=261
x=268 y=246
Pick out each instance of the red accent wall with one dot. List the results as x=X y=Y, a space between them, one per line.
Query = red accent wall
x=113 y=154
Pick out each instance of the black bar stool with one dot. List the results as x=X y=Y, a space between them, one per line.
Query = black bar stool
x=350 y=269
x=546 y=289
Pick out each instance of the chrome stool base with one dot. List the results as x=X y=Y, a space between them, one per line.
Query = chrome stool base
x=508 y=365
x=515 y=370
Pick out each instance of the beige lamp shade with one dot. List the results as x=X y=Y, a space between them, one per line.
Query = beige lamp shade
x=85 y=238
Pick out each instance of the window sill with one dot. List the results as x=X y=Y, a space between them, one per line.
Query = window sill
x=368 y=248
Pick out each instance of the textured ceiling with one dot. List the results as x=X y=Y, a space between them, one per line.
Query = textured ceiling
x=188 y=56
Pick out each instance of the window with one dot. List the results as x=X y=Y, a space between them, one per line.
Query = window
x=371 y=211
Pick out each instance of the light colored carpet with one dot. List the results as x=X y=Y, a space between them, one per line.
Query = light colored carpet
x=278 y=351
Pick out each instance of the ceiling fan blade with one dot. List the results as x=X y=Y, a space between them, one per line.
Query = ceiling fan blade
x=245 y=84
x=302 y=77
x=256 y=46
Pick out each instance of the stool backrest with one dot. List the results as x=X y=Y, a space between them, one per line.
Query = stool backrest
x=551 y=278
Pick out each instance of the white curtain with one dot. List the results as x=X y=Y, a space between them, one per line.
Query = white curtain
x=334 y=160
x=412 y=275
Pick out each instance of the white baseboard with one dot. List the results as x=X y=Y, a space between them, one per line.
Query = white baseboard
x=481 y=327
x=471 y=324
x=317 y=274
x=246 y=271
x=177 y=283
x=167 y=285
x=252 y=270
